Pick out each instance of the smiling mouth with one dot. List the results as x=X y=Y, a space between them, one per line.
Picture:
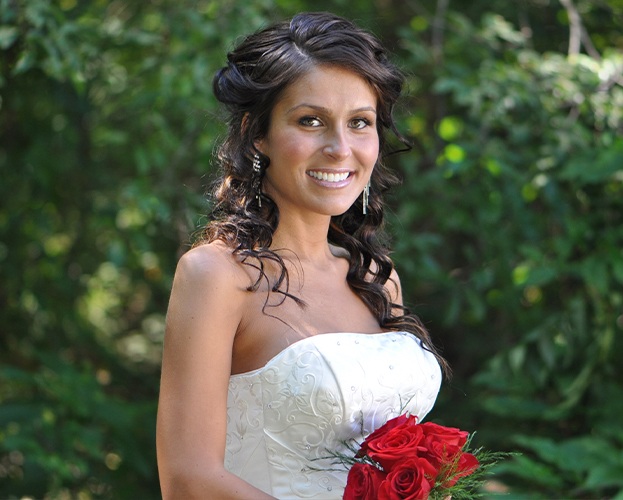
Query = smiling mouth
x=329 y=177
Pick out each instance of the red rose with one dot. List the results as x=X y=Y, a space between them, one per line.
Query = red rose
x=413 y=457
x=411 y=479
x=450 y=435
x=443 y=448
x=439 y=453
x=363 y=482
x=467 y=464
x=384 y=429
x=395 y=444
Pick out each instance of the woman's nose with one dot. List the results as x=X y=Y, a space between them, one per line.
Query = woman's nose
x=337 y=146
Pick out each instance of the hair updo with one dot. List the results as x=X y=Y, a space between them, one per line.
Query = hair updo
x=266 y=62
x=258 y=71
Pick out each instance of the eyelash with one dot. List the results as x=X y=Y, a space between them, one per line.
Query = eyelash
x=365 y=121
x=306 y=121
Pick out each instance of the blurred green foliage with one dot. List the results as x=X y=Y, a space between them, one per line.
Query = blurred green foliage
x=508 y=228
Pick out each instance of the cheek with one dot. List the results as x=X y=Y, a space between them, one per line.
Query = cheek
x=371 y=152
x=289 y=148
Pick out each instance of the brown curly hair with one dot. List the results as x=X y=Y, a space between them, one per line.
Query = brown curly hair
x=257 y=72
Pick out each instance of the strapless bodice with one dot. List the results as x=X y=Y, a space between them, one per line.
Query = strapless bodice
x=314 y=396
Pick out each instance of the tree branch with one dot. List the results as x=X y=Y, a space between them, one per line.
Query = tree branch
x=578 y=36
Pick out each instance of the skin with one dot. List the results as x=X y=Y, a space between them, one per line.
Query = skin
x=323 y=123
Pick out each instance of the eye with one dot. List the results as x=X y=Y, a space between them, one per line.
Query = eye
x=310 y=121
x=359 y=123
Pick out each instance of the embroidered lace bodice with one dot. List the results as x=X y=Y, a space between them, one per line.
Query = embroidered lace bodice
x=315 y=395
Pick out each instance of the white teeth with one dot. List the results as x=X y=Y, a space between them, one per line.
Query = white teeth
x=323 y=176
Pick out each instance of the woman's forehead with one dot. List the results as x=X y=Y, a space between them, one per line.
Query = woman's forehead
x=328 y=86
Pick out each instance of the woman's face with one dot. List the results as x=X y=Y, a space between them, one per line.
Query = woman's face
x=322 y=143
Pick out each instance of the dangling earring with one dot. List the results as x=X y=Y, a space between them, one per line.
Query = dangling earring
x=366 y=197
x=257 y=179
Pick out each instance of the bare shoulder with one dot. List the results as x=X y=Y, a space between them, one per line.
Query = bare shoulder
x=394 y=288
x=211 y=258
x=208 y=279
x=205 y=309
x=212 y=265
x=392 y=285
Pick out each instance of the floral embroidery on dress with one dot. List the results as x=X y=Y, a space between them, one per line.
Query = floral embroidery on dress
x=316 y=395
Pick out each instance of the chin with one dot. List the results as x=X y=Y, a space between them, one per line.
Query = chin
x=334 y=211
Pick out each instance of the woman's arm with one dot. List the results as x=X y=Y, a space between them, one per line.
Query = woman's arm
x=205 y=309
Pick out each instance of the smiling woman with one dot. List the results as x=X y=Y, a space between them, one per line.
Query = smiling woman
x=286 y=333
x=322 y=143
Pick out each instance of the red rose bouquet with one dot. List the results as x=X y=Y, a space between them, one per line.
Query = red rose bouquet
x=406 y=460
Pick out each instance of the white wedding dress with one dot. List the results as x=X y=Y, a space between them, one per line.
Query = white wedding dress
x=283 y=418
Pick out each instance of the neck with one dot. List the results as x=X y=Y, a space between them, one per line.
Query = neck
x=306 y=239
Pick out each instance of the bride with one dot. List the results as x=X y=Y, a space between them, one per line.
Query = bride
x=286 y=333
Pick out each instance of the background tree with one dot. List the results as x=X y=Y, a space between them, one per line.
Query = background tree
x=508 y=227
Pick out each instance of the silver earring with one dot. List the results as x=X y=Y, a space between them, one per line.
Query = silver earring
x=366 y=197
x=257 y=179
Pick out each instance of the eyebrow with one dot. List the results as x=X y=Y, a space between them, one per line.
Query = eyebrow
x=327 y=111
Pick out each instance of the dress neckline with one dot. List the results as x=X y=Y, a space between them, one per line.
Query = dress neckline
x=306 y=340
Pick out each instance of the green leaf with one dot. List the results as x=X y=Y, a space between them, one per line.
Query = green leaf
x=8 y=35
x=534 y=472
x=604 y=476
x=25 y=61
x=595 y=166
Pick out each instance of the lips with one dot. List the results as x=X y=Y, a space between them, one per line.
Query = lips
x=329 y=176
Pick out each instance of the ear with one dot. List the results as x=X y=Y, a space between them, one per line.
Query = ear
x=260 y=145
